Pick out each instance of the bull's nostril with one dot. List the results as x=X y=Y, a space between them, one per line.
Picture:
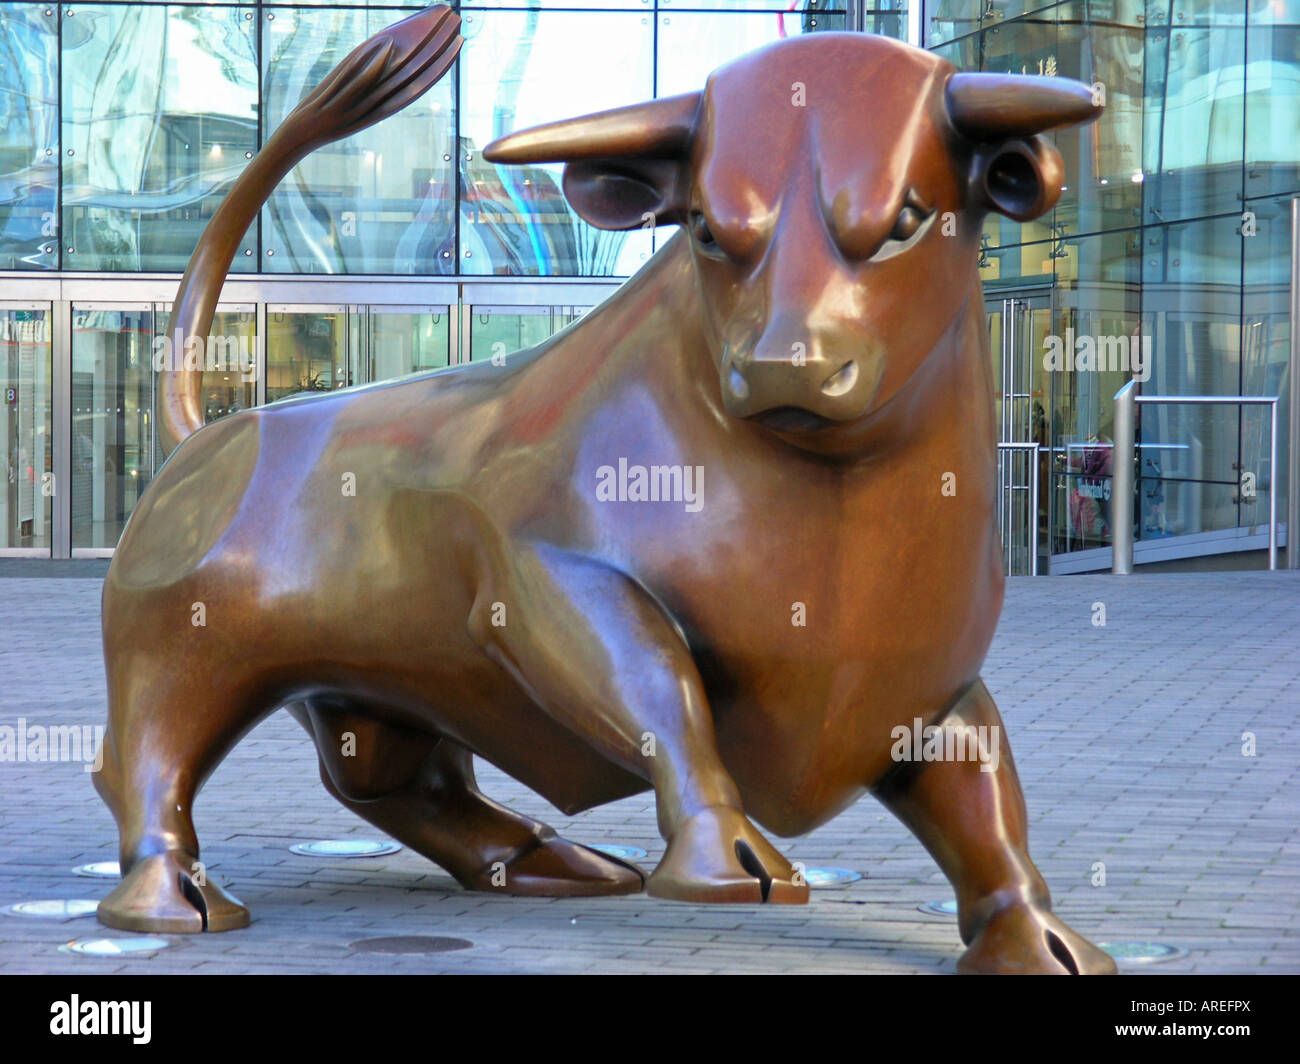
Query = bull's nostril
x=736 y=383
x=842 y=380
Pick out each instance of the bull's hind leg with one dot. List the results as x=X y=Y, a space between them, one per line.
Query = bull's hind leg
x=974 y=824
x=421 y=790
x=170 y=722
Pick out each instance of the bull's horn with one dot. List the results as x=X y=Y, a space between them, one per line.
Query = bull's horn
x=659 y=129
x=996 y=106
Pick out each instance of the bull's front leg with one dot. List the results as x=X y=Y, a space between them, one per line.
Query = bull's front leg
x=602 y=657
x=975 y=825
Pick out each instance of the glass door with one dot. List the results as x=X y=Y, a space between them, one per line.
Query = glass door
x=395 y=341
x=229 y=356
x=494 y=331
x=25 y=427
x=307 y=350
x=497 y=319
x=1019 y=324
x=113 y=450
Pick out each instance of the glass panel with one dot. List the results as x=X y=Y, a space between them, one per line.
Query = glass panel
x=377 y=202
x=407 y=341
x=1182 y=507
x=793 y=7
x=496 y=331
x=1266 y=343
x=1195 y=122
x=25 y=428
x=692 y=46
x=1273 y=107
x=29 y=137
x=1191 y=303
x=953 y=18
x=159 y=117
x=306 y=350
x=518 y=69
x=112 y=423
x=1098 y=346
x=611 y=5
x=963 y=54
x=229 y=359
x=1103 y=160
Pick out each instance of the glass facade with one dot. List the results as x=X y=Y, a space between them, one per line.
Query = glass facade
x=400 y=249
x=125 y=124
x=1173 y=232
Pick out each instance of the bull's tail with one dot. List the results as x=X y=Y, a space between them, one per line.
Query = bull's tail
x=377 y=79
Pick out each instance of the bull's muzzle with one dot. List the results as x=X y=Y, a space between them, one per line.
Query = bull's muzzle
x=799 y=390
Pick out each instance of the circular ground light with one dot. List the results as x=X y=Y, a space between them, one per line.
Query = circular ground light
x=1142 y=952
x=53 y=908
x=344 y=848
x=99 y=870
x=114 y=947
x=623 y=853
x=409 y=944
x=940 y=908
x=829 y=878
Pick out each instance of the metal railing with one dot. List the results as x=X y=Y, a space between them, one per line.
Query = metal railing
x=1006 y=504
x=1124 y=459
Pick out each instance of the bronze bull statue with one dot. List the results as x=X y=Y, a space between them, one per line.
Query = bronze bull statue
x=723 y=537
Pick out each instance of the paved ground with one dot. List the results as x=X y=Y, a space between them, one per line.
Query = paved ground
x=1128 y=738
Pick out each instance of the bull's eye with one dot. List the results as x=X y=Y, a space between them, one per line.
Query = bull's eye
x=909 y=221
x=911 y=225
x=701 y=232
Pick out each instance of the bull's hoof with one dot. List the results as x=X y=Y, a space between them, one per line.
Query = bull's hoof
x=166 y=893
x=1022 y=940
x=719 y=856
x=559 y=868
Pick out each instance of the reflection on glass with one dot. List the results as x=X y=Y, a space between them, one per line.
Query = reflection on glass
x=112 y=419
x=159 y=117
x=1191 y=302
x=694 y=44
x=497 y=331
x=1195 y=122
x=1266 y=341
x=521 y=68
x=29 y=137
x=1273 y=106
x=229 y=361
x=952 y=18
x=25 y=497
x=794 y=8
x=400 y=341
x=306 y=350
x=381 y=201
x=1103 y=161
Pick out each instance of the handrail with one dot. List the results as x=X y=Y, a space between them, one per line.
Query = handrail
x=1033 y=505
x=1121 y=536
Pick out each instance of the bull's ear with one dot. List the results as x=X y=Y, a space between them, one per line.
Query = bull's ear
x=625 y=168
x=1016 y=172
x=1021 y=178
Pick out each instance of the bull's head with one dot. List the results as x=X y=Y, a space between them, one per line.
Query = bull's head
x=832 y=187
